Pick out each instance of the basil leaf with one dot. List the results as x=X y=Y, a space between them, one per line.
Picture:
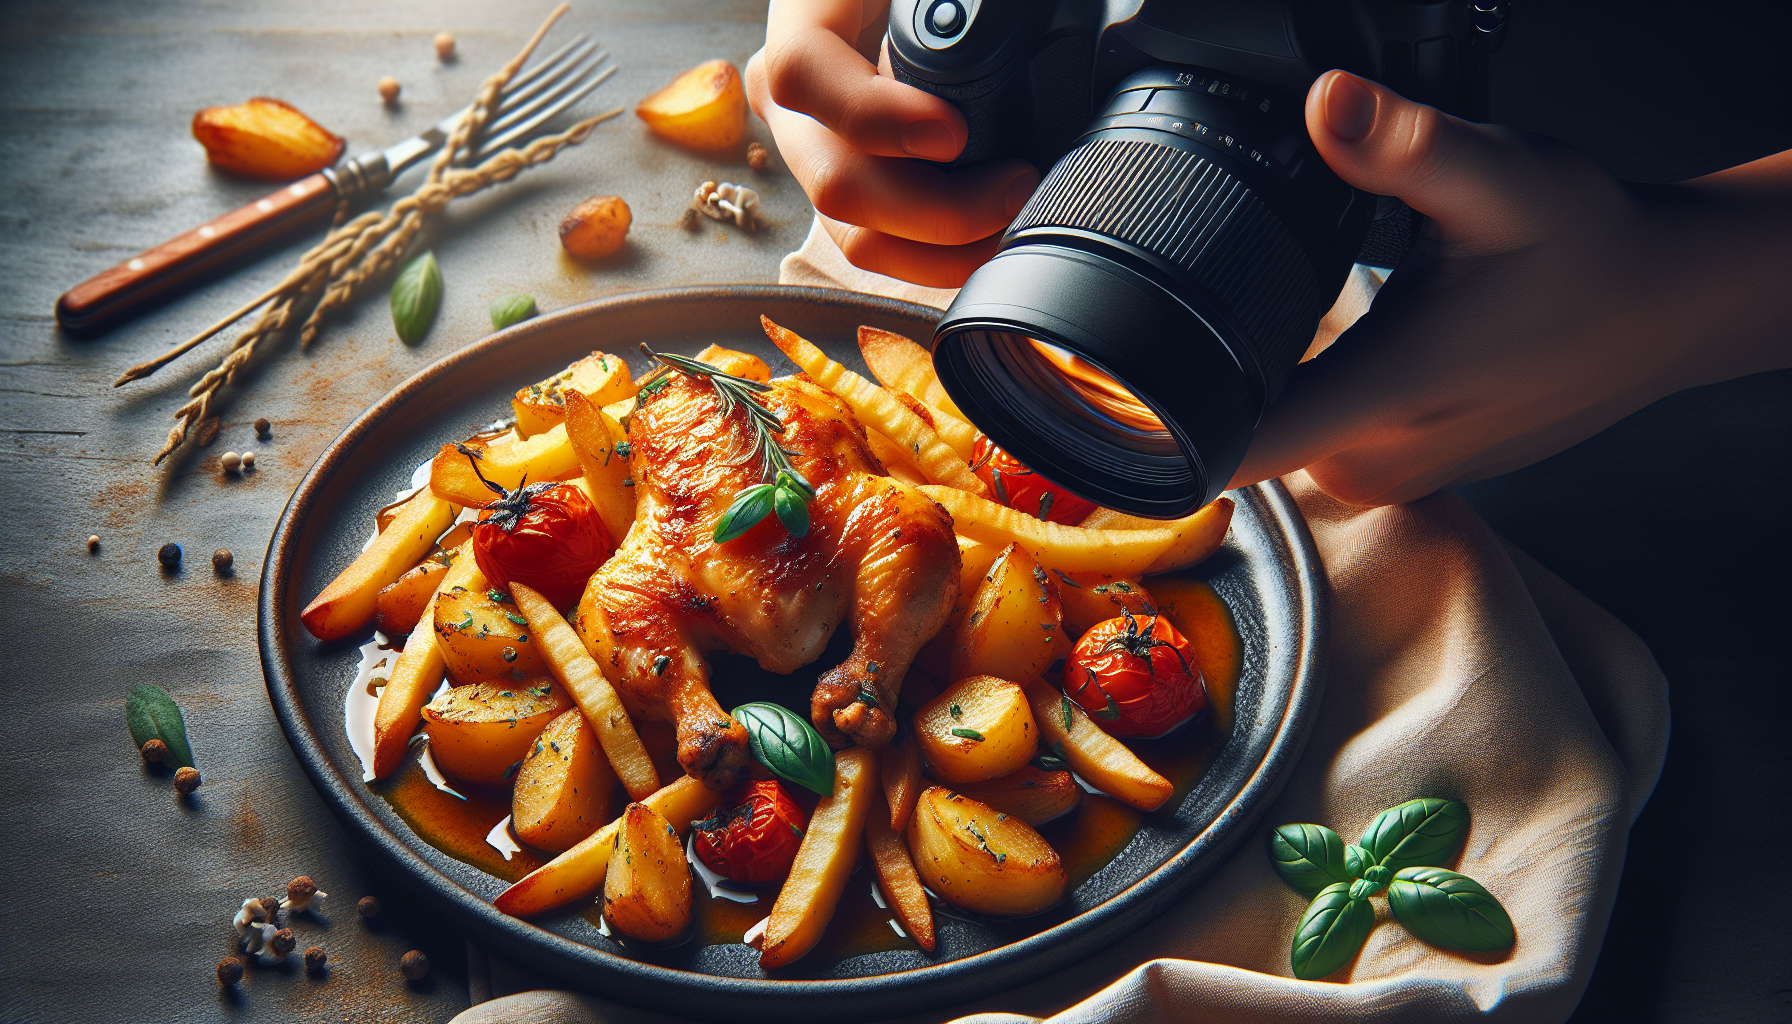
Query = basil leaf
x=416 y=296
x=1330 y=932
x=1357 y=860
x=512 y=309
x=750 y=506
x=151 y=714
x=789 y=746
x=1449 y=909
x=792 y=510
x=1417 y=833
x=1308 y=857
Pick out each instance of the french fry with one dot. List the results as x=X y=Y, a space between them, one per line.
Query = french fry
x=896 y=873
x=579 y=872
x=1197 y=535
x=960 y=436
x=417 y=672
x=594 y=436
x=879 y=411
x=1099 y=758
x=895 y=460
x=829 y=850
x=548 y=455
x=347 y=605
x=1052 y=545
x=574 y=667
x=898 y=362
x=899 y=769
x=600 y=377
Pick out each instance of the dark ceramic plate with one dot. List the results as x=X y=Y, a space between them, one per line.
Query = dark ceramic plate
x=1267 y=573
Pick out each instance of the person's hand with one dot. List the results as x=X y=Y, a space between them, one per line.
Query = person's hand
x=857 y=141
x=1544 y=301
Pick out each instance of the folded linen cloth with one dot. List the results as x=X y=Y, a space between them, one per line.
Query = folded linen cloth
x=1457 y=667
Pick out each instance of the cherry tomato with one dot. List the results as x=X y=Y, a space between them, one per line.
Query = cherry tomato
x=1135 y=676
x=1016 y=486
x=545 y=535
x=753 y=839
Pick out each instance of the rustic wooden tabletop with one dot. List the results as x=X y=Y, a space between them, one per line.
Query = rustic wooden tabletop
x=119 y=895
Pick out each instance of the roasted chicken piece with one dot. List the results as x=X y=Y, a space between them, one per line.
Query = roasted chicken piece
x=878 y=554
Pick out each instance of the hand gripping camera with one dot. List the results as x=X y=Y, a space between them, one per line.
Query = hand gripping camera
x=1151 y=299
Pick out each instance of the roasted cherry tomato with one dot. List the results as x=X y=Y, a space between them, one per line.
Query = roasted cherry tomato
x=1135 y=676
x=544 y=535
x=754 y=838
x=1016 y=486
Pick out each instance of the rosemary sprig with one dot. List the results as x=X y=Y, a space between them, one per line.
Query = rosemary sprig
x=781 y=490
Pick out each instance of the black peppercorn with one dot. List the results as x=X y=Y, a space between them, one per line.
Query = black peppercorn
x=169 y=555
x=262 y=426
x=314 y=959
x=414 y=965
x=154 y=751
x=186 y=780
x=221 y=560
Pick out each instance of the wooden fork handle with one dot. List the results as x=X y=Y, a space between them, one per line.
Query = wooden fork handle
x=178 y=262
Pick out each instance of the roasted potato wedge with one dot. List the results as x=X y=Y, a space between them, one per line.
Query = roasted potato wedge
x=1092 y=597
x=596 y=228
x=596 y=438
x=265 y=138
x=899 y=769
x=563 y=789
x=1014 y=626
x=481 y=732
x=1101 y=759
x=977 y=728
x=484 y=638
x=576 y=670
x=548 y=455
x=400 y=604
x=896 y=875
x=1199 y=614
x=704 y=108
x=348 y=604
x=736 y=362
x=416 y=673
x=902 y=364
x=1031 y=794
x=647 y=891
x=829 y=850
x=982 y=859
x=600 y=377
x=1196 y=536
x=579 y=872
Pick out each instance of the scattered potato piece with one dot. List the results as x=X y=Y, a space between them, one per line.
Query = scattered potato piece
x=977 y=728
x=1197 y=535
x=481 y=732
x=596 y=227
x=562 y=791
x=829 y=850
x=348 y=604
x=647 y=891
x=896 y=874
x=265 y=138
x=1104 y=761
x=736 y=362
x=400 y=604
x=1052 y=545
x=417 y=673
x=1031 y=794
x=1014 y=624
x=596 y=437
x=704 y=108
x=982 y=859
x=601 y=377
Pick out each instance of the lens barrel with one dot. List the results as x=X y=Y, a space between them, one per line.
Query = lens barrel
x=1188 y=246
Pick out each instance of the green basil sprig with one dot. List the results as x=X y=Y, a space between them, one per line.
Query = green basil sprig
x=789 y=746
x=151 y=714
x=511 y=309
x=1399 y=856
x=416 y=296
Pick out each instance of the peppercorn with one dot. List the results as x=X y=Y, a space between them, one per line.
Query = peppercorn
x=369 y=907
x=757 y=156
x=271 y=908
x=282 y=944
x=230 y=971
x=169 y=556
x=230 y=462
x=154 y=750
x=221 y=560
x=262 y=426
x=389 y=90
x=314 y=959
x=186 y=780
x=248 y=460
x=93 y=544
x=414 y=965
x=444 y=46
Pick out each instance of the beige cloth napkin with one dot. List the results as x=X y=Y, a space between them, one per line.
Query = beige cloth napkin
x=1458 y=667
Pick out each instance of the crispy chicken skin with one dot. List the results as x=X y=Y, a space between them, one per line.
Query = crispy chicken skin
x=878 y=555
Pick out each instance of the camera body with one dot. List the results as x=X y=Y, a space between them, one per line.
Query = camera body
x=1153 y=296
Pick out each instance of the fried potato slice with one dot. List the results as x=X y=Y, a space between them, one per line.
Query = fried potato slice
x=265 y=138
x=704 y=108
x=896 y=874
x=1197 y=535
x=1092 y=597
x=400 y=604
x=348 y=604
x=1031 y=794
x=562 y=791
x=1014 y=626
x=896 y=461
x=736 y=362
x=579 y=872
x=982 y=859
x=1052 y=545
x=977 y=728
x=600 y=377
x=899 y=769
x=1101 y=759
x=879 y=411
x=829 y=850
x=647 y=891
x=900 y=363
x=548 y=455
x=481 y=732
x=595 y=436
x=960 y=436
x=417 y=672
x=574 y=667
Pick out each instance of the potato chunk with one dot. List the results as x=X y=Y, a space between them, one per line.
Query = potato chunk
x=1031 y=794
x=600 y=377
x=704 y=108
x=481 y=732
x=563 y=788
x=484 y=638
x=978 y=728
x=400 y=605
x=982 y=859
x=1104 y=761
x=265 y=138
x=596 y=227
x=599 y=440
x=647 y=892
x=829 y=851
x=1014 y=625
x=1092 y=597
x=736 y=362
x=546 y=456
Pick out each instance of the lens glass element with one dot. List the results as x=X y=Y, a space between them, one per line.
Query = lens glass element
x=1105 y=395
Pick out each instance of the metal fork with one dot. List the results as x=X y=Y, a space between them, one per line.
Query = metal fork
x=532 y=99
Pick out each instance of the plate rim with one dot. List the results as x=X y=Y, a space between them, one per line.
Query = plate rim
x=954 y=981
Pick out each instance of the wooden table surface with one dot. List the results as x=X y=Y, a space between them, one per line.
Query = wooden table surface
x=119 y=896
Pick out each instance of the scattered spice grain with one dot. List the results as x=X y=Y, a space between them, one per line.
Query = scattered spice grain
x=389 y=89
x=300 y=892
x=414 y=965
x=369 y=907
x=221 y=560
x=248 y=460
x=169 y=556
x=757 y=156
x=262 y=426
x=444 y=46
x=186 y=780
x=230 y=971
x=230 y=462
x=93 y=544
x=314 y=959
x=154 y=751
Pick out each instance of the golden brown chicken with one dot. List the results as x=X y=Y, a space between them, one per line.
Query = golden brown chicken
x=878 y=554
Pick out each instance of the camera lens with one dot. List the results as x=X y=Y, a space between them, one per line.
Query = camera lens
x=1152 y=297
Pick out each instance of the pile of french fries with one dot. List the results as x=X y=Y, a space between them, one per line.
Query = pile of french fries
x=938 y=811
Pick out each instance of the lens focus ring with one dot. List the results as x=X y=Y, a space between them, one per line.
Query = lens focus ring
x=1214 y=231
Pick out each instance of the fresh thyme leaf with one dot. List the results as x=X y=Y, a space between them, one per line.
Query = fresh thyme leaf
x=968 y=734
x=1064 y=706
